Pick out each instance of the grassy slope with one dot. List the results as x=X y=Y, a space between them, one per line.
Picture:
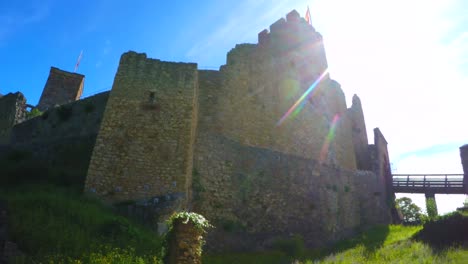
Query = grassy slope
x=384 y=244
x=52 y=223
x=57 y=225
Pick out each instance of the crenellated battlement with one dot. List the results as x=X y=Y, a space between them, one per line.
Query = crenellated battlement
x=294 y=24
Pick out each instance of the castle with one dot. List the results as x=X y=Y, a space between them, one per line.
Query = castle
x=264 y=148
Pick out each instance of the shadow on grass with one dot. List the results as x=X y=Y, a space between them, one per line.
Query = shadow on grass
x=371 y=240
x=445 y=232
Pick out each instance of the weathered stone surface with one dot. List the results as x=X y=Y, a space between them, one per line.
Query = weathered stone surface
x=185 y=244
x=62 y=87
x=464 y=161
x=265 y=194
x=381 y=167
x=359 y=135
x=145 y=144
x=12 y=112
x=73 y=120
x=262 y=82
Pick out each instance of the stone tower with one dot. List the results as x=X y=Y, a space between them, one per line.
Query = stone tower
x=144 y=148
x=263 y=81
x=62 y=87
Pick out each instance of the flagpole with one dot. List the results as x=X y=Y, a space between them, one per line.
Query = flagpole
x=308 y=16
x=78 y=61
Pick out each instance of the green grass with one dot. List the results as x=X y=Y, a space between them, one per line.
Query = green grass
x=55 y=224
x=58 y=225
x=382 y=244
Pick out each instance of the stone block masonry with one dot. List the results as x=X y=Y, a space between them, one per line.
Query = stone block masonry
x=269 y=194
x=261 y=82
x=62 y=87
x=464 y=161
x=145 y=143
x=359 y=135
x=12 y=112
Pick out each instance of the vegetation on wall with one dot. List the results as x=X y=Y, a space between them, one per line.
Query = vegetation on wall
x=33 y=113
x=199 y=223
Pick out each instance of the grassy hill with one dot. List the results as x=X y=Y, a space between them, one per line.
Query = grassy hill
x=54 y=224
x=442 y=241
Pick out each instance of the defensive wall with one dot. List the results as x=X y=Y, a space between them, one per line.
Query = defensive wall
x=59 y=141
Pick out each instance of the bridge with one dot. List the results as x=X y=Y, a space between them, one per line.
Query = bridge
x=429 y=183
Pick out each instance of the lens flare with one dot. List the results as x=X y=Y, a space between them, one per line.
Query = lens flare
x=299 y=104
x=329 y=138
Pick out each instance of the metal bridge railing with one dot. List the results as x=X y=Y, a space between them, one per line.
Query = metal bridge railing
x=425 y=181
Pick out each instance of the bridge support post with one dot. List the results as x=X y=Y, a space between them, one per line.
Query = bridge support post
x=464 y=161
x=431 y=205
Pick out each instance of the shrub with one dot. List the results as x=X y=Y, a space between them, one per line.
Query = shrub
x=443 y=231
x=33 y=113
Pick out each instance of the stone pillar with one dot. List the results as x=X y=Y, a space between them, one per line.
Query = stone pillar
x=430 y=198
x=464 y=161
x=185 y=243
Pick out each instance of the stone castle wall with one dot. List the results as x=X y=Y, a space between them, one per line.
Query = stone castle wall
x=359 y=135
x=145 y=144
x=58 y=143
x=74 y=120
x=262 y=81
x=268 y=194
x=381 y=166
x=61 y=87
x=13 y=111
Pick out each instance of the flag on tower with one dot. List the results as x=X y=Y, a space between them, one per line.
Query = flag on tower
x=307 y=16
x=78 y=62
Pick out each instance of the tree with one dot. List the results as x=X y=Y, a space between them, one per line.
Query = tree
x=410 y=211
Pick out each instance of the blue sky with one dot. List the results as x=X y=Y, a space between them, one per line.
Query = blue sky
x=407 y=60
